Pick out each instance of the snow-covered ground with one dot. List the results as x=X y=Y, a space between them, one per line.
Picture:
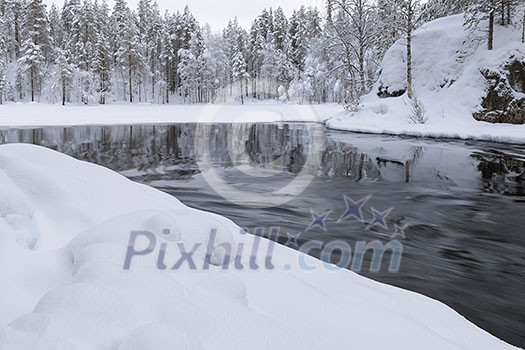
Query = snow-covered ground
x=65 y=227
x=447 y=79
x=34 y=114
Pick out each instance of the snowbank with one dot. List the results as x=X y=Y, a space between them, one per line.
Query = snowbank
x=35 y=114
x=65 y=227
x=447 y=79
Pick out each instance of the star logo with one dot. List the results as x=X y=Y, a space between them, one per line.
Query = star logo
x=292 y=240
x=380 y=218
x=319 y=220
x=354 y=209
x=399 y=232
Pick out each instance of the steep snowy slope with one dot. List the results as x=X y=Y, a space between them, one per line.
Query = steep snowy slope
x=452 y=71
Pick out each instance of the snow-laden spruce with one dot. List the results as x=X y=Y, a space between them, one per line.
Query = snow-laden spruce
x=448 y=81
x=64 y=232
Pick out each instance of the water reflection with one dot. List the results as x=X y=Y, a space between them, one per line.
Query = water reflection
x=163 y=151
x=502 y=173
x=464 y=201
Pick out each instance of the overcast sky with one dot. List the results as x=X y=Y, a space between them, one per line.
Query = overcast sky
x=217 y=12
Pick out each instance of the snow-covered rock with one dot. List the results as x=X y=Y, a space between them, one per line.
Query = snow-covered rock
x=65 y=230
x=448 y=76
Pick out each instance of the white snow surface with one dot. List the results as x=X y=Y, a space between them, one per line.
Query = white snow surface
x=64 y=231
x=36 y=114
x=447 y=79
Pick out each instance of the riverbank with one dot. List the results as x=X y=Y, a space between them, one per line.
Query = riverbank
x=441 y=128
x=336 y=118
x=20 y=115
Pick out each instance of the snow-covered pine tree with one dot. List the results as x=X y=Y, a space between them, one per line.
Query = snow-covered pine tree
x=520 y=13
x=235 y=42
x=12 y=13
x=305 y=25
x=70 y=27
x=155 y=49
x=103 y=59
x=178 y=32
x=150 y=29
x=274 y=71
x=3 y=52
x=190 y=69
x=239 y=72
x=255 y=47
x=507 y=11
x=215 y=60
x=145 y=21
x=166 y=57
x=435 y=9
x=128 y=48
x=13 y=16
x=191 y=40
x=316 y=81
x=281 y=28
x=170 y=58
x=36 y=46
x=266 y=24
x=477 y=13
x=55 y=27
x=66 y=70
x=261 y=43
x=86 y=33
x=388 y=22
x=297 y=42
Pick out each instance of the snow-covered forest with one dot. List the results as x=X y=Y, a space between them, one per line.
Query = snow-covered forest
x=86 y=52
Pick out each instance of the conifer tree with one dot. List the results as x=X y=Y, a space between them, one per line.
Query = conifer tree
x=36 y=45
x=3 y=54
x=239 y=72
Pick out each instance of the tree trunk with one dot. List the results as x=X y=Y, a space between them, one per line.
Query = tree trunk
x=362 y=89
x=102 y=100
x=523 y=29
x=167 y=81
x=140 y=90
x=241 y=91
x=17 y=35
x=360 y=9
x=2 y=88
x=153 y=81
x=503 y=12
x=177 y=82
x=491 y=30
x=410 y=90
x=130 y=71
x=32 y=84
x=509 y=17
x=63 y=91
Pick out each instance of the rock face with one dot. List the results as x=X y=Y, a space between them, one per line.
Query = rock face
x=505 y=99
x=384 y=92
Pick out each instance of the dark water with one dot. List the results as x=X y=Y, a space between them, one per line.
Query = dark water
x=463 y=202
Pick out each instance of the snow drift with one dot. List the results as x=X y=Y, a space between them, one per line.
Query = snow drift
x=448 y=66
x=64 y=229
